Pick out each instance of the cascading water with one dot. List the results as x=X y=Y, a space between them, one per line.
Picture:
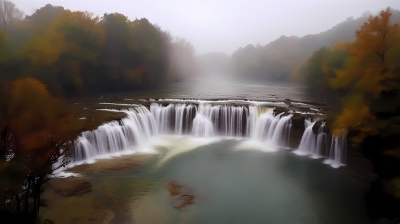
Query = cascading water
x=308 y=141
x=337 y=154
x=174 y=118
x=263 y=125
x=281 y=132
x=322 y=142
x=205 y=120
x=202 y=123
x=316 y=145
x=112 y=137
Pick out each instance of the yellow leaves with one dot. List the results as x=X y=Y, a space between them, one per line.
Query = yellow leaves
x=339 y=132
x=341 y=46
x=356 y=115
x=359 y=119
x=351 y=118
x=46 y=49
x=378 y=32
x=24 y=86
x=368 y=66
x=36 y=115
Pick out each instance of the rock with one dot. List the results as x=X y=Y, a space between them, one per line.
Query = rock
x=181 y=195
x=71 y=186
x=297 y=130
x=316 y=127
x=184 y=200
x=173 y=188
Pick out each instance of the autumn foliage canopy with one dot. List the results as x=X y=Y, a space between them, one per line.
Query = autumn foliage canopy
x=365 y=75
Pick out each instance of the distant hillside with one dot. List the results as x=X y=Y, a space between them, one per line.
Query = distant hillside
x=278 y=59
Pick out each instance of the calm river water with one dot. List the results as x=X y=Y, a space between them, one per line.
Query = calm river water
x=235 y=182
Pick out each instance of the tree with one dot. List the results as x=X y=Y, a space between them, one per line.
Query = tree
x=36 y=134
x=9 y=14
x=370 y=73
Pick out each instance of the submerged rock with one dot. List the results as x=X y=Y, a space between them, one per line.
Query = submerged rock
x=184 y=200
x=71 y=186
x=181 y=195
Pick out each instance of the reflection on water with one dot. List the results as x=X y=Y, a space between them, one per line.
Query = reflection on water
x=233 y=185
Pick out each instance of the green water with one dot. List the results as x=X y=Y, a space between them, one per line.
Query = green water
x=233 y=184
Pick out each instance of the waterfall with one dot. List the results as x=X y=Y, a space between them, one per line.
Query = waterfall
x=205 y=120
x=281 y=132
x=222 y=120
x=337 y=154
x=264 y=125
x=202 y=123
x=112 y=137
x=321 y=146
x=308 y=140
x=316 y=145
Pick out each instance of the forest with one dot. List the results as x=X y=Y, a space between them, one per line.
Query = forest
x=76 y=53
x=56 y=54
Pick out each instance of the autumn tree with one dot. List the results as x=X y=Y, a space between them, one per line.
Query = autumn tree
x=78 y=52
x=36 y=134
x=364 y=74
x=370 y=73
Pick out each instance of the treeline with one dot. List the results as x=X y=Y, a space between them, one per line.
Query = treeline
x=78 y=52
x=278 y=60
x=364 y=78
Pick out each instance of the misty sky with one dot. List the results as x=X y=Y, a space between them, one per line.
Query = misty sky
x=225 y=25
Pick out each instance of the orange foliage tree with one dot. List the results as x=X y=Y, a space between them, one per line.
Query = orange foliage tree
x=37 y=131
x=364 y=75
x=371 y=76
